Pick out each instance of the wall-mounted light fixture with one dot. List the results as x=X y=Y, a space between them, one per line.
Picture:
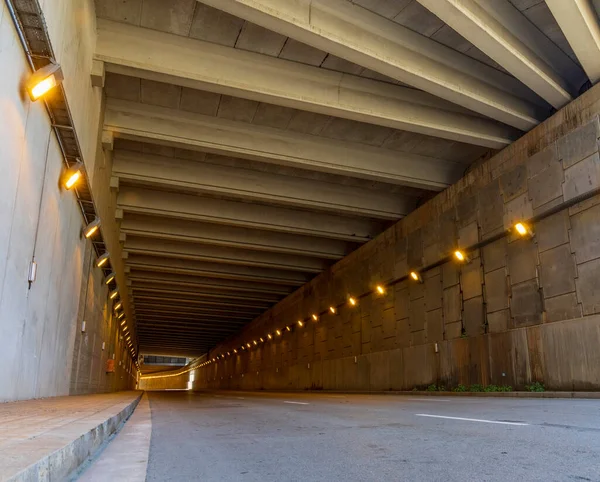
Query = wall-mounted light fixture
x=102 y=260
x=113 y=294
x=380 y=289
x=523 y=229
x=332 y=310
x=118 y=306
x=315 y=317
x=72 y=175
x=110 y=278
x=461 y=256
x=300 y=323
x=415 y=276
x=91 y=228
x=352 y=301
x=43 y=80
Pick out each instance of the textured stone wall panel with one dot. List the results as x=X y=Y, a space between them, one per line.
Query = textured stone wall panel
x=585 y=234
x=435 y=326
x=498 y=321
x=452 y=304
x=563 y=307
x=471 y=280
x=491 y=208
x=513 y=183
x=547 y=185
x=473 y=316
x=526 y=303
x=579 y=144
x=542 y=160
x=433 y=292
x=552 y=231
x=582 y=177
x=557 y=271
x=588 y=286
x=522 y=260
x=496 y=290
x=494 y=255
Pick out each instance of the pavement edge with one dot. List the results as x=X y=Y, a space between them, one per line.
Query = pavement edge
x=61 y=463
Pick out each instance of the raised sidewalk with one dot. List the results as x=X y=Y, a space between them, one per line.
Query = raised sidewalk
x=48 y=439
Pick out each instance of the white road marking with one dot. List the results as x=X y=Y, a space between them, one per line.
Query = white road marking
x=470 y=419
x=240 y=398
x=429 y=399
x=297 y=403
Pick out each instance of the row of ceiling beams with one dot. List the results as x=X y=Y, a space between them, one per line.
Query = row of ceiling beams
x=211 y=244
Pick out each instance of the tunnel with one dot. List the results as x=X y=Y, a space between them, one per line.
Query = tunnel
x=287 y=210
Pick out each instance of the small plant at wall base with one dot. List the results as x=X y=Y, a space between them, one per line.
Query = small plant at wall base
x=535 y=387
x=460 y=388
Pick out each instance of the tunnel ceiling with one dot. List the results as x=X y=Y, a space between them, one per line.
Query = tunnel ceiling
x=247 y=161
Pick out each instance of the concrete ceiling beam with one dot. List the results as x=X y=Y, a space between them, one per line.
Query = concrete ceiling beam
x=579 y=22
x=207 y=320
x=503 y=33
x=152 y=289
x=233 y=236
x=157 y=349
x=177 y=342
x=215 y=68
x=220 y=254
x=217 y=270
x=164 y=335
x=351 y=32
x=164 y=308
x=177 y=128
x=182 y=330
x=200 y=304
x=167 y=305
x=246 y=184
x=246 y=215
x=209 y=283
x=177 y=314
x=174 y=327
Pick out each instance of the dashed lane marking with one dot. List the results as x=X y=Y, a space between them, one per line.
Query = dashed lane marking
x=470 y=419
x=297 y=403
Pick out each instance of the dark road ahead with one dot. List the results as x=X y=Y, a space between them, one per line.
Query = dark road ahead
x=328 y=437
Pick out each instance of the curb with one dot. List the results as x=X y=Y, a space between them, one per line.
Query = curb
x=515 y=394
x=581 y=395
x=62 y=463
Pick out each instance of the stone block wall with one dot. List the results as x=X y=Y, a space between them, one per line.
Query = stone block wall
x=522 y=310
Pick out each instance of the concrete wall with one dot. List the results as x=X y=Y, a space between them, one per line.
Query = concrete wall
x=39 y=326
x=179 y=382
x=522 y=310
x=88 y=370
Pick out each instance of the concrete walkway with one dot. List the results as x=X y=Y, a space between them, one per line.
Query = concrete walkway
x=47 y=439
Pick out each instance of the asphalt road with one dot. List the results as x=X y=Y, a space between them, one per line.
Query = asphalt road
x=320 y=437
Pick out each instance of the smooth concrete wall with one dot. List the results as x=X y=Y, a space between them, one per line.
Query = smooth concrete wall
x=89 y=368
x=178 y=382
x=39 y=324
x=522 y=310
